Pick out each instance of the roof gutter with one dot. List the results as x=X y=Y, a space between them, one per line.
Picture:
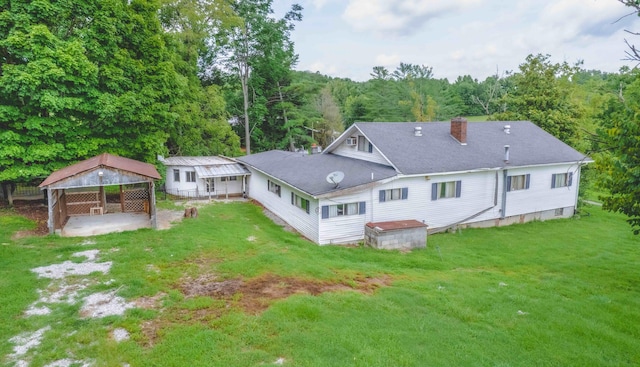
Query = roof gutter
x=581 y=163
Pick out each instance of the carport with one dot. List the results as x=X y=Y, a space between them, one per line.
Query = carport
x=104 y=191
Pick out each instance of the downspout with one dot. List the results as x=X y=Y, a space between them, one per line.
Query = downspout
x=504 y=193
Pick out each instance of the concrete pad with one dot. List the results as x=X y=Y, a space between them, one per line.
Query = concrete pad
x=82 y=226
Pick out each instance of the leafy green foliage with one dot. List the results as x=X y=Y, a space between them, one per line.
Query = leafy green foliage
x=619 y=161
x=541 y=94
x=84 y=77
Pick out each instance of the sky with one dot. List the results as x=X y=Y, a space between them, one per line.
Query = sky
x=481 y=38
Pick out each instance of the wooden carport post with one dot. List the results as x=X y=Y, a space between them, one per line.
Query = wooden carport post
x=152 y=205
x=50 y=220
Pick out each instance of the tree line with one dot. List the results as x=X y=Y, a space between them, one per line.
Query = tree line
x=140 y=78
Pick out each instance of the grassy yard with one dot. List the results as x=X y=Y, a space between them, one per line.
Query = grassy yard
x=230 y=288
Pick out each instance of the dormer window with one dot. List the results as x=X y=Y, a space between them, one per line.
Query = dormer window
x=364 y=145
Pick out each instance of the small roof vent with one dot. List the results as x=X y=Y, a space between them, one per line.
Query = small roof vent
x=507 y=129
x=417 y=131
x=506 y=154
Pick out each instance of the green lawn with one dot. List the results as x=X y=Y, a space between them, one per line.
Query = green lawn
x=558 y=293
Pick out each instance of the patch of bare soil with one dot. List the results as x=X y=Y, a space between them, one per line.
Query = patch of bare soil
x=253 y=296
x=256 y=294
x=35 y=210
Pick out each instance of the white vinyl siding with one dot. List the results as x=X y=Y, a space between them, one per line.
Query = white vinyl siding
x=370 y=153
x=541 y=194
x=303 y=222
x=480 y=200
x=202 y=187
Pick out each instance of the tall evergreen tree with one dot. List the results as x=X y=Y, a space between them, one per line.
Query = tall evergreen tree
x=259 y=53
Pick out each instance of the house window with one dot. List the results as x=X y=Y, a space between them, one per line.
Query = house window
x=364 y=145
x=338 y=210
x=273 y=187
x=232 y=178
x=393 y=194
x=519 y=182
x=190 y=176
x=561 y=180
x=444 y=190
x=176 y=175
x=300 y=202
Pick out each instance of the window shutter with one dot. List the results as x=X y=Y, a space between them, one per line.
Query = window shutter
x=325 y=211
x=458 y=188
x=508 y=183
x=363 y=208
x=570 y=179
x=370 y=148
x=434 y=191
x=553 y=181
x=527 y=181
x=293 y=200
x=405 y=193
x=382 y=197
x=308 y=205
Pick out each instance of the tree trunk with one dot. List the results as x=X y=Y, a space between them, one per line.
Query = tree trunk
x=292 y=147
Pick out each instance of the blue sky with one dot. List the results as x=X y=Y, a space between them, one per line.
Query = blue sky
x=347 y=38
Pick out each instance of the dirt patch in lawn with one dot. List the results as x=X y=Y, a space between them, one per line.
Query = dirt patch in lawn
x=256 y=294
x=252 y=296
x=34 y=210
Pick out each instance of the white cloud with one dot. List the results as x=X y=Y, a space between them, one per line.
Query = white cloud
x=388 y=60
x=322 y=68
x=398 y=17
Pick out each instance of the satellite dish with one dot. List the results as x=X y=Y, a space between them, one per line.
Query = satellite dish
x=335 y=177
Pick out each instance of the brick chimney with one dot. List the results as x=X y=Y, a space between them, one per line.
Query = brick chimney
x=459 y=129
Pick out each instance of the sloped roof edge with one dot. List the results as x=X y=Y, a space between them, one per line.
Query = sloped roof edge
x=103 y=160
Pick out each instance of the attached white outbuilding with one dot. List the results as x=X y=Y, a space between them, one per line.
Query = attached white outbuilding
x=204 y=177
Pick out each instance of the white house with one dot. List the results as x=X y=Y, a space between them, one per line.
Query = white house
x=443 y=174
x=198 y=177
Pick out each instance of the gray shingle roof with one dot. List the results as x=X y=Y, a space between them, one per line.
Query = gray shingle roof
x=436 y=151
x=309 y=172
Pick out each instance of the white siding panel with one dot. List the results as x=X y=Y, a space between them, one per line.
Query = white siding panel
x=345 y=229
x=480 y=200
x=199 y=188
x=353 y=152
x=306 y=224
x=540 y=196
